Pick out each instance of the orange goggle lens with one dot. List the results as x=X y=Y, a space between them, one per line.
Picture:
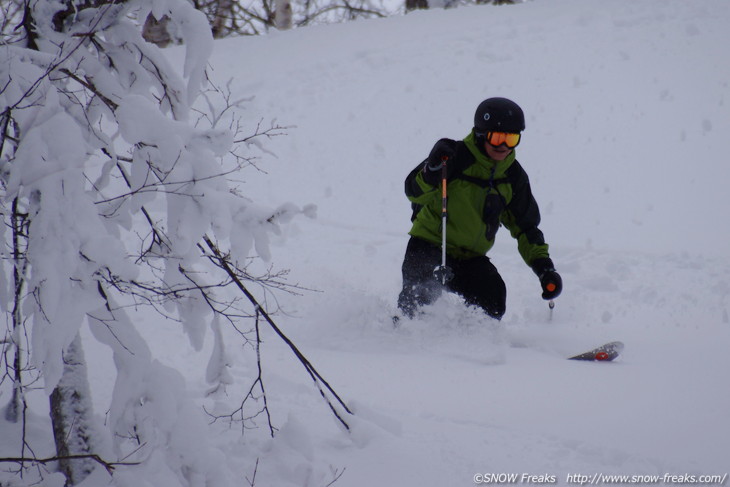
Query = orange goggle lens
x=498 y=138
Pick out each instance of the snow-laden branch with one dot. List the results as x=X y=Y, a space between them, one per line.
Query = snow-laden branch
x=110 y=186
x=120 y=192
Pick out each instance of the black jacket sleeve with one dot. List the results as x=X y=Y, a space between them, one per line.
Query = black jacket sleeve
x=522 y=217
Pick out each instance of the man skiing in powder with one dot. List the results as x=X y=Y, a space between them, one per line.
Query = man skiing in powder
x=485 y=186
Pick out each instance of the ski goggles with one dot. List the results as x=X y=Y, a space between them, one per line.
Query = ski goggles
x=507 y=138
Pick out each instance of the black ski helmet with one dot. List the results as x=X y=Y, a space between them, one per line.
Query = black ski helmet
x=498 y=115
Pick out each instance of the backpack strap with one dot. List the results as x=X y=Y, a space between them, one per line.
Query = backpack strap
x=464 y=152
x=483 y=183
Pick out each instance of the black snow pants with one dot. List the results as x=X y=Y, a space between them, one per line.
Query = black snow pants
x=475 y=279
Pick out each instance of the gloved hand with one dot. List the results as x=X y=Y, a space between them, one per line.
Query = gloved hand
x=443 y=152
x=551 y=282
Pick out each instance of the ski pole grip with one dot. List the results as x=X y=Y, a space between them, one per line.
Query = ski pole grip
x=550 y=286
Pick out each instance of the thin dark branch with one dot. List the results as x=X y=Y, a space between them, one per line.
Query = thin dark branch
x=273 y=131
x=337 y=475
x=109 y=466
x=316 y=376
x=260 y=373
x=252 y=482
x=258 y=382
x=91 y=87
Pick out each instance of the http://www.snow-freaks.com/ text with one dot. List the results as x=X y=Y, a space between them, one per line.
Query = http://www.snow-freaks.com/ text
x=582 y=479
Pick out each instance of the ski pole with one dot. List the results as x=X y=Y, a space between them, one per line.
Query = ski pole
x=443 y=273
x=551 y=304
x=551 y=287
x=444 y=210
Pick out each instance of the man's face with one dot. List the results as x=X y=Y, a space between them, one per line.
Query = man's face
x=499 y=153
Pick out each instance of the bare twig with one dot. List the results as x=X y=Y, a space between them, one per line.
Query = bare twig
x=322 y=385
x=251 y=394
x=109 y=466
x=337 y=474
x=252 y=481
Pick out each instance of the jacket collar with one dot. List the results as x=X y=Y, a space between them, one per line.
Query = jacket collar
x=499 y=167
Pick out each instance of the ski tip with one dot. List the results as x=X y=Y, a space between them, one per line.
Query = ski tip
x=604 y=353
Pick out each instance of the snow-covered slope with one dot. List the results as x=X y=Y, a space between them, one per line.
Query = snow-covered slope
x=628 y=111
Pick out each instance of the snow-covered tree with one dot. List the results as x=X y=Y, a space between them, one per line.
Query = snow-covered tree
x=114 y=194
x=411 y=5
x=252 y=17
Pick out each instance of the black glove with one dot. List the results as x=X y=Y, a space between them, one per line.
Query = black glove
x=443 y=152
x=551 y=282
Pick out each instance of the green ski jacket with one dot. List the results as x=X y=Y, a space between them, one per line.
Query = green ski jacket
x=481 y=195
